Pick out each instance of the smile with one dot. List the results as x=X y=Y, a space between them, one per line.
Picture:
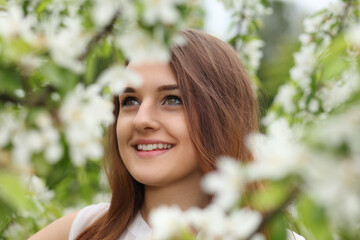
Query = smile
x=154 y=146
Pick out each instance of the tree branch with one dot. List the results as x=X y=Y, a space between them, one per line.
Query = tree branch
x=100 y=35
x=343 y=17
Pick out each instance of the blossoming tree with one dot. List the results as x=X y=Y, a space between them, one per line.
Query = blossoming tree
x=61 y=61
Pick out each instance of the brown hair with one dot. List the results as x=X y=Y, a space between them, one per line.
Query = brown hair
x=220 y=105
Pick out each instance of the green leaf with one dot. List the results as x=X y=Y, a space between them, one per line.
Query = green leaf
x=269 y=198
x=14 y=193
x=6 y=213
x=42 y=6
x=9 y=80
x=314 y=218
x=334 y=60
x=277 y=228
x=61 y=78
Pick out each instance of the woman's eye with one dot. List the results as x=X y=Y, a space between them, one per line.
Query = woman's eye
x=129 y=101
x=172 y=100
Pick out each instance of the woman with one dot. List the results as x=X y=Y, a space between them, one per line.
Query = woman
x=167 y=134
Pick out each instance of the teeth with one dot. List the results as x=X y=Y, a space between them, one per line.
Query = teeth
x=150 y=147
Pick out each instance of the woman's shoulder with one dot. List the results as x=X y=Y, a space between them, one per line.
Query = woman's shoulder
x=87 y=216
x=57 y=230
x=69 y=226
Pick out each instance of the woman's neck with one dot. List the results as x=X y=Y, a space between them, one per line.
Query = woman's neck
x=184 y=194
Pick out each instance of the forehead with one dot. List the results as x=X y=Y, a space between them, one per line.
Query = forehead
x=155 y=72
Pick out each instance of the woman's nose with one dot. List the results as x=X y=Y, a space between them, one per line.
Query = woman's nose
x=146 y=118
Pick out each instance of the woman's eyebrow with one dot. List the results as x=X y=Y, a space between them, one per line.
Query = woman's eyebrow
x=160 y=89
x=168 y=87
x=129 y=90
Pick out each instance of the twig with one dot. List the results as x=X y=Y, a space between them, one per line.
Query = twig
x=30 y=100
x=343 y=17
x=100 y=35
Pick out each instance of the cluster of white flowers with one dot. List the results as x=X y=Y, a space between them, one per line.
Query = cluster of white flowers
x=83 y=113
x=334 y=93
x=40 y=195
x=29 y=141
x=13 y=23
x=353 y=36
x=246 y=13
x=299 y=97
x=104 y=11
x=250 y=53
x=284 y=97
x=67 y=43
x=117 y=77
x=38 y=188
x=139 y=46
x=305 y=61
x=333 y=176
x=58 y=7
x=276 y=154
x=210 y=223
x=163 y=11
x=63 y=36
x=228 y=174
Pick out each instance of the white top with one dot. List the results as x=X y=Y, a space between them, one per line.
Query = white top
x=137 y=230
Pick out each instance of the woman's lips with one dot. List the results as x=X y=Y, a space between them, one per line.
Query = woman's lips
x=152 y=153
x=148 y=148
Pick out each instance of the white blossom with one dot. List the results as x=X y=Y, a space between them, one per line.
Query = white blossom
x=305 y=61
x=337 y=7
x=252 y=51
x=340 y=130
x=68 y=43
x=117 y=77
x=285 y=97
x=245 y=13
x=84 y=112
x=29 y=141
x=25 y=143
x=353 y=35
x=30 y=62
x=38 y=188
x=104 y=11
x=336 y=92
x=242 y=223
x=305 y=39
x=14 y=24
x=8 y=125
x=209 y=222
x=13 y=231
x=276 y=154
x=314 y=105
x=53 y=150
x=166 y=222
x=334 y=184
x=312 y=24
x=163 y=11
x=226 y=183
x=139 y=47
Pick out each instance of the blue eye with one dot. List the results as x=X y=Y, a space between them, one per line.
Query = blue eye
x=172 y=100
x=129 y=101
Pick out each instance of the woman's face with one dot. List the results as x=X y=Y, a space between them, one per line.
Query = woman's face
x=152 y=130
